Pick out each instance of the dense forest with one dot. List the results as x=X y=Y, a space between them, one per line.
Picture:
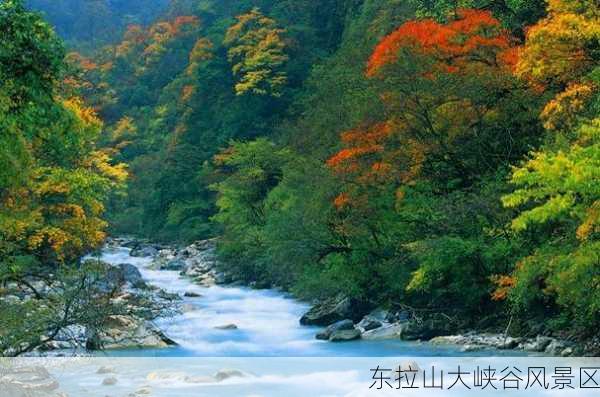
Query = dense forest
x=443 y=155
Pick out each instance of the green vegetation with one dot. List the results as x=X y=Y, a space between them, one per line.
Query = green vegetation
x=53 y=183
x=443 y=155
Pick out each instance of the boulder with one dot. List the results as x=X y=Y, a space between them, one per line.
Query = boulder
x=368 y=323
x=344 y=335
x=131 y=274
x=557 y=348
x=568 y=352
x=174 y=265
x=110 y=381
x=343 y=325
x=333 y=310
x=191 y=294
x=387 y=331
x=168 y=296
x=125 y=332
x=143 y=391
x=538 y=344
x=143 y=251
x=228 y=373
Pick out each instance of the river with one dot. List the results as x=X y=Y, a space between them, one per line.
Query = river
x=267 y=322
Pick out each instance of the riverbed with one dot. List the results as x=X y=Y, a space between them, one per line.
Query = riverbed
x=266 y=320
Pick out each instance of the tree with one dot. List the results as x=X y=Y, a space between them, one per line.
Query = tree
x=557 y=190
x=250 y=171
x=456 y=120
x=257 y=52
x=52 y=188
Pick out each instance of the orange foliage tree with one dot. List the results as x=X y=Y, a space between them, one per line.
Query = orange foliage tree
x=444 y=87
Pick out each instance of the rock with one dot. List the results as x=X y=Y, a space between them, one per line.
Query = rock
x=447 y=340
x=227 y=327
x=332 y=310
x=28 y=382
x=538 y=344
x=174 y=265
x=558 y=347
x=129 y=243
x=132 y=275
x=478 y=341
x=344 y=335
x=143 y=251
x=381 y=315
x=387 y=331
x=111 y=381
x=568 y=352
x=228 y=373
x=168 y=296
x=368 y=323
x=471 y=348
x=123 y=332
x=143 y=391
x=73 y=334
x=508 y=343
x=191 y=294
x=338 y=326
x=414 y=330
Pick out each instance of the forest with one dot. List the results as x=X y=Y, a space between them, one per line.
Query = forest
x=442 y=155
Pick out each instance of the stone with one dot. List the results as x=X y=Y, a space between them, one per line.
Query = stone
x=174 y=265
x=228 y=373
x=333 y=310
x=338 y=326
x=132 y=275
x=168 y=296
x=538 y=344
x=105 y=370
x=387 y=331
x=143 y=251
x=28 y=382
x=368 y=323
x=191 y=294
x=568 y=352
x=345 y=335
x=226 y=327
x=110 y=381
x=143 y=391
x=123 y=332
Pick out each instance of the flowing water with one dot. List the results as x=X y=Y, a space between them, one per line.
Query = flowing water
x=267 y=323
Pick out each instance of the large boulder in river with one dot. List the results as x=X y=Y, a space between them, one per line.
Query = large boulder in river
x=143 y=251
x=128 y=332
x=333 y=310
x=344 y=335
x=174 y=265
x=387 y=331
x=132 y=275
x=343 y=325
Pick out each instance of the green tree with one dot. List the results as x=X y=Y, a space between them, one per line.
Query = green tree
x=257 y=52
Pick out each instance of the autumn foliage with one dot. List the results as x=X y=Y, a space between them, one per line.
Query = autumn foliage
x=474 y=37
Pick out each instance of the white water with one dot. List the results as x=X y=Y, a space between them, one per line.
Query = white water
x=267 y=322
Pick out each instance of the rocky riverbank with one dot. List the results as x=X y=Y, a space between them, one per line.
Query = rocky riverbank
x=344 y=322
